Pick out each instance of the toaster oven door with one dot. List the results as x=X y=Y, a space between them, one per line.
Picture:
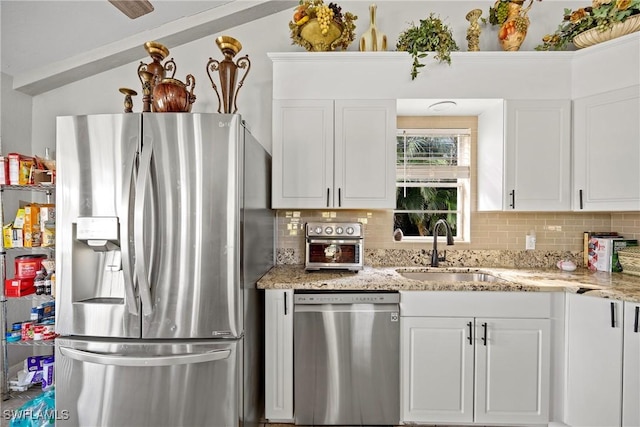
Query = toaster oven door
x=334 y=254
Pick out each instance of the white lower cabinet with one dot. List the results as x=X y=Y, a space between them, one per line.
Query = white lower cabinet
x=594 y=361
x=475 y=369
x=437 y=369
x=631 y=366
x=279 y=355
x=603 y=362
x=512 y=371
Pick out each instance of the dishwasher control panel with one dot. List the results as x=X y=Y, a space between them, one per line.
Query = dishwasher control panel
x=348 y=298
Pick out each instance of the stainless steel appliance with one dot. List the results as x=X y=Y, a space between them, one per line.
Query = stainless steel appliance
x=334 y=245
x=346 y=358
x=163 y=228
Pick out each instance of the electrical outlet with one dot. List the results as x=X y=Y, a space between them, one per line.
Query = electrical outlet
x=530 y=242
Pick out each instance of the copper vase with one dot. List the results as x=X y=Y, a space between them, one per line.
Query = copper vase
x=227 y=71
x=153 y=72
x=171 y=95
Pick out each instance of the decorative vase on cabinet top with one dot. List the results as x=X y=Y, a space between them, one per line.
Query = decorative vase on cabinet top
x=514 y=30
x=372 y=39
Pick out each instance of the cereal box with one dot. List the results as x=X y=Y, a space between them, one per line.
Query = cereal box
x=31 y=228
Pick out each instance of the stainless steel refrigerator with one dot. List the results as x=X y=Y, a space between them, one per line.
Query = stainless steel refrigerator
x=163 y=228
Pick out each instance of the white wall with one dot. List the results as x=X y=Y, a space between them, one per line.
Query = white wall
x=99 y=94
x=15 y=115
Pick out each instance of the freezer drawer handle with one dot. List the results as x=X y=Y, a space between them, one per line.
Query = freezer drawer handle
x=141 y=186
x=173 y=360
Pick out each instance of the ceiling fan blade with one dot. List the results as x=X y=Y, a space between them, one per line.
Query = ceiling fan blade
x=133 y=8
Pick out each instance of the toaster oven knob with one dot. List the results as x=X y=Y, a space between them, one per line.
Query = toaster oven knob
x=349 y=230
x=339 y=230
x=328 y=230
x=318 y=230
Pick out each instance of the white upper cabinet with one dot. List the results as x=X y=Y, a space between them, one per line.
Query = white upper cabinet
x=536 y=151
x=302 y=166
x=334 y=154
x=606 y=158
x=537 y=155
x=524 y=149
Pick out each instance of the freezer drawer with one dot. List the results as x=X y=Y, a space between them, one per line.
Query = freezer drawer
x=138 y=384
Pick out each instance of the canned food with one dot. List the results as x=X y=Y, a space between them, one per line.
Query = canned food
x=28 y=265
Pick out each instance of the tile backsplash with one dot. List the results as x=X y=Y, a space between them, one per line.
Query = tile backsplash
x=505 y=232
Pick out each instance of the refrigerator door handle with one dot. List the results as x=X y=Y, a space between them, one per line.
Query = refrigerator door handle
x=125 y=234
x=141 y=189
x=145 y=361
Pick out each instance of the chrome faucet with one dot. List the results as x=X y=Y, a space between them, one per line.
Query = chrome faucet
x=434 y=253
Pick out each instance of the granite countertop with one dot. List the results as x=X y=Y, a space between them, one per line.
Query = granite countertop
x=606 y=285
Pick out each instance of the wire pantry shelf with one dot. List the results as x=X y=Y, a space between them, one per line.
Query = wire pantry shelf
x=34 y=343
x=30 y=297
x=30 y=187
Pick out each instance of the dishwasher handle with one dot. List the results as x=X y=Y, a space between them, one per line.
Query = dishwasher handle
x=346 y=308
x=346 y=299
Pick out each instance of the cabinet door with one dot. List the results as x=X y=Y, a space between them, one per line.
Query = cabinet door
x=512 y=371
x=365 y=163
x=631 y=366
x=594 y=361
x=606 y=151
x=537 y=155
x=437 y=369
x=279 y=355
x=302 y=154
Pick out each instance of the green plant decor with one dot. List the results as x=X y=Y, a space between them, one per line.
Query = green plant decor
x=432 y=35
x=601 y=15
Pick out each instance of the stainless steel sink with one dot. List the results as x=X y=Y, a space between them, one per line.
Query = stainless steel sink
x=449 y=276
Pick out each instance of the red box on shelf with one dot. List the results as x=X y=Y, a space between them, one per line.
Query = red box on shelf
x=18 y=287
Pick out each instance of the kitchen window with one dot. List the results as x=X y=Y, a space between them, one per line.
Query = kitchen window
x=432 y=180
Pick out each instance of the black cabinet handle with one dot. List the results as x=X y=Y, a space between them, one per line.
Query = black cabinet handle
x=327 y=196
x=513 y=199
x=635 y=323
x=581 y=207
x=470 y=325
x=484 y=334
x=339 y=197
x=286 y=306
x=613 y=314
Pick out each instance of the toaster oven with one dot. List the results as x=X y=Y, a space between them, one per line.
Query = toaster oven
x=334 y=246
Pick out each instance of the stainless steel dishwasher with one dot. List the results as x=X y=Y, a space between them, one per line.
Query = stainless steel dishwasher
x=347 y=358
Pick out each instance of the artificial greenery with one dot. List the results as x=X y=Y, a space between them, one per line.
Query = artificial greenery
x=432 y=35
x=499 y=12
x=601 y=15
